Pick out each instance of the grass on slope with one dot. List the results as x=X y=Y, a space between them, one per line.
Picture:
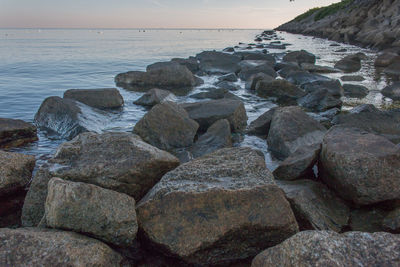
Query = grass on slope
x=322 y=12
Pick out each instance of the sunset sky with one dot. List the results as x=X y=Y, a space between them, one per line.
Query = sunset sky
x=151 y=13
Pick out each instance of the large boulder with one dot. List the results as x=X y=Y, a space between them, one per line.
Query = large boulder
x=215 y=93
x=97 y=98
x=393 y=69
x=361 y=167
x=218 y=208
x=261 y=125
x=318 y=68
x=208 y=112
x=251 y=67
x=300 y=57
x=386 y=59
x=16 y=133
x=251 y=83
x=191 y=63
x=45 y=247
x=320 y=100
x=355 y=90
x=167 y=126
x=303 y=77
x=88 y=209
x=153 y=97
x=255 y=56
x=217 y=136
x=391 y=222
x=315 y=206
x=283 y=91
x=392 y=91
x=325 y=248
x=212 y=62
x=350 y=63
x=334 y=87
x=291 y=128
x=118 y=161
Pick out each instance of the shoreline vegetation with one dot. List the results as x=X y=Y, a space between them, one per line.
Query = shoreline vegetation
x=179 y=190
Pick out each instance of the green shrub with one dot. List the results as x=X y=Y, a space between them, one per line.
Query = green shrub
x=332 y=9
x=306 y=14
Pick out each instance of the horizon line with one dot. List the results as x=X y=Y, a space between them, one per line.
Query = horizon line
x=126 y=28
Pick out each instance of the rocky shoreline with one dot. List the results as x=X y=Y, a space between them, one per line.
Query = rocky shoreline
x=180 y=190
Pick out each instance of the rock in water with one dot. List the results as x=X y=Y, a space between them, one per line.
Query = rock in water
x=354 y=90
x=252 y=67
x=315 y=206
x=117 y=161
x=212 y=62
x=153 y=97
x=334 y=87
x=350 y=63
x=16 y=133
x=88 y=209
x=261 y=125
x=208 y=112
x=325 y=248
x=97 y=98
x=167 y=126
x=45 y=247
x=283 y=91
x=320 y=100
x=392 y=91
x=300 y=57
x=291 y=128
x=218 y=208
x=361 y=167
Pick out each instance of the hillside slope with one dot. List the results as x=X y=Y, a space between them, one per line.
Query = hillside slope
x=368 y=23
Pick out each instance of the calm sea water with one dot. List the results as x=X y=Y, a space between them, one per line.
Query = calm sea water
x=35 y=64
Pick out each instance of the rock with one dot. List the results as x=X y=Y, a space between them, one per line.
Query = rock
x=45 y=247
x=392 y=91
x=255 y=56
x=320 y=100
x=229 y=49
x=283 y=91
x=217 y=136
x=318 y=69
x=251 y=67
x=15 y=172
x=368 y=118
x=355 y=91
x=16 y=133
x=367 y=219
x=386 y=59
x=301 y=77
x=334 y=87
x=208 y=112
x=218 y=208
x=300 y=57
x=126 y=165
x=391 y=222
x=167 y=126
x=261 y=125
x=163 y=75
x=291 y=128
x=361 y=167
x=299 y=164
x=88 y=209
x=231 y=77
x=251 y=83
x=342 y=50
x=216 y=93
x=97 y=98
x=350 y=63
x=154 y=96
x=315 y=206
x=352 y=78
x=325 y=248
x=191 y=63
x=228 y=85
x=212 y=62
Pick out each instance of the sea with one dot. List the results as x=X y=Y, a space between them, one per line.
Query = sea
x=38 y=63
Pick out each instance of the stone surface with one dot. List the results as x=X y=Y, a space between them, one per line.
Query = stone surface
x=386 y=59
x=153 y=97
x=215 y=93
x=251 y=67
x=319 y=101
x=283 y=91
x=167 y=126
x=45 y=247
x=315 y=206
x=16 y=133
x=368 y=219
x=97 y=98
x=334 y=87
x=354 y=90
x=291 y=128
x=251 y=83
x=325 y=248
x=230 y=77
x=303 y=77
x=191 y=63
x=349 y=64
x=392 y=91
x=88 y=209
x=352 y=78
x=228 y=85
x=217 y=208
x=361 y=167
x=391 y=222
x=212 y=62
x=208 y=112
x=393 y=69
x=300 y=57
x=261 y=125
x=318 y=68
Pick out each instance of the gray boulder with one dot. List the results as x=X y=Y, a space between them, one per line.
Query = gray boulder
x=154 y=96
x=191 y=63
x=251 y=83
x=393 y=69
x=228 y=85
x=350 y=63
x=386 y=59
x=255 y=56
x=16 y=133
x=352 y=78
x=318 y=69
x=251 y=67
x=261 y=125
x=367 y=219
x=300 y=57
x=355 y=90
x=391 y=222
x=212 y=62
x=320 y=100
x=281 y=91
x=215 y=93
x=88 y=209
x=392 y=91
x=167 y=126
x=97 y=98
x=334 y=87
x=302 y=77
x=230 y=77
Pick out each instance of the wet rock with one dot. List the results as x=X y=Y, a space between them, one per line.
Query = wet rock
x=216 y=93
x=283 y=91
x=228 y=85
x=167 y=126
x=208 y=112
x=354 y=90
x=302 y=77
x=255 y=56
x=350 y=63
x=334 y=87
x=299 y=164
x=216 y=209
x=291 y=128
x=315 y=206
x=255 y=78
x=251 y=67
x=367 y=219
x=361 y=167
x=88 y=209
x=212 y=62
x=386 y=59
x=320 y=100
x=261 y=125
x=45 y=247
x=342 y=50
x=231 y=77
x=300 y=57
x=325 y=248
x=392 y=91
x=391 y=222
x=352 y=78
x=229 y=49
x=153 y=97
x=97 y=98
x=16 y=133
x=217 y=136
x=191 y=63
x=318 y=69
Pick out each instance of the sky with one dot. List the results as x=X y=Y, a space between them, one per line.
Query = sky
x=246 y=14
